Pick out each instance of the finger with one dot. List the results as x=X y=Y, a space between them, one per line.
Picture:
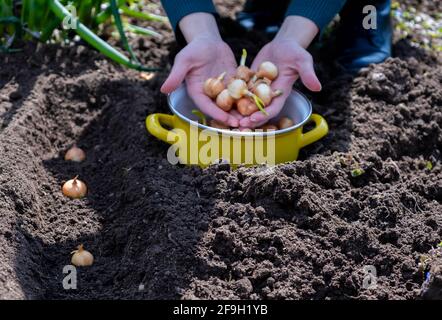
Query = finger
x=176 y=77
x=308 y=75
x=259 y=124
x=246 y=123
x=236 y=114
x=206 y=105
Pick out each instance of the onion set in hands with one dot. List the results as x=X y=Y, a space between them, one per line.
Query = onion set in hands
x=247 y=91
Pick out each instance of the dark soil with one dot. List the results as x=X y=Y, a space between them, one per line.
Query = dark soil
x=301 y=230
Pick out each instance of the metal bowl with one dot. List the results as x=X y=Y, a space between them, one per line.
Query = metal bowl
x=297 y=107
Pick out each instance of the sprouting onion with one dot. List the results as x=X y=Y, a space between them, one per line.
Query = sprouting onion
x=243 y=72
x=74 y=188
x=238 y=89
x=81 y=257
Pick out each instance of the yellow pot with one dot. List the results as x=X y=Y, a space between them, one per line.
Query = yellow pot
x=193 y=143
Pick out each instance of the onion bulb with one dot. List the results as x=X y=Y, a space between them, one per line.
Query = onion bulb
x=285 y=123
x=74 y=188
x=75 y=154
x=269 y=127
x=243 y=72
x=224 y=100
x=254 y=82
x=246 y=107
x=265 y=93
x=238 y=89
x=82 y=257
x=213 y=86
x=267 y=70
x=217 y=125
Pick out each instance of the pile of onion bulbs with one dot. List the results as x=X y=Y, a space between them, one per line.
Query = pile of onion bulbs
x=283 y=123
x=247 y=91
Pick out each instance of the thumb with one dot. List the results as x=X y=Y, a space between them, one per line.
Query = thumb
x=308 y=75
x=176 y=77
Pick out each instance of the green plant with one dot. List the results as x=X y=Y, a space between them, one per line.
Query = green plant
x=429 y=165
x=357 y=172
x=40 y=19
x=201 y=116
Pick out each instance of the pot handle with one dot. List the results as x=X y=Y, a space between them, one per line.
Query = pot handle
x=319 y=131
x=154 y=124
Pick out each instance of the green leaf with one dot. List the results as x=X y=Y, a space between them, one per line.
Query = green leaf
x=429 y=165
x=90 y=37
x=143 y=16
x=357 y=172
x=201 y=116
x=120 y=28
x=142 y=31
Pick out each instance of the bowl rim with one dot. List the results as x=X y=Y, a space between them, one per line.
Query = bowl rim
x=242 y=133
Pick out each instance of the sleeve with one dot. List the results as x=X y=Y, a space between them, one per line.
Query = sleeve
x=321 y=12
x=178 y=9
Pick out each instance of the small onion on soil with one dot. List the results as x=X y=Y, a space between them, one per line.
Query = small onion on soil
x=75 y=154
x=74 y=188
x=82 y=257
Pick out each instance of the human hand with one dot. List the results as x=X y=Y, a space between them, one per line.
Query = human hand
x=293 y=62
x=205 y=56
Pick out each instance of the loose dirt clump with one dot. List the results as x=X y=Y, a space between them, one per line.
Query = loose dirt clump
x=301 y=230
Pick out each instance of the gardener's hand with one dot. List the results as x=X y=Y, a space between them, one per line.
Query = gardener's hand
x=205 y=56
x=287 y=52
